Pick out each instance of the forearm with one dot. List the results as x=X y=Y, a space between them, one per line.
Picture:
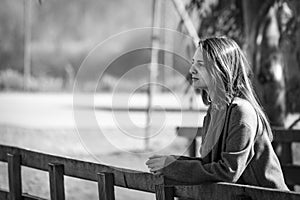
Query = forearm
x=233 y=161
x=196 y=172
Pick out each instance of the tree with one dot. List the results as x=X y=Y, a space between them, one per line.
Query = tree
x=269 y=32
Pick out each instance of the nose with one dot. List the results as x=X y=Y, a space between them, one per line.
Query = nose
x=192 y=69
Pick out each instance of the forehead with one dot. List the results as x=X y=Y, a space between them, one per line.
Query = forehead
x=198 y=54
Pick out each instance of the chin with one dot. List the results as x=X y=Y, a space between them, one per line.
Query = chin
x=199 y=86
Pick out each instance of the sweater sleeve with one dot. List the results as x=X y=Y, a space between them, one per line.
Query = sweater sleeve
x=233 y=160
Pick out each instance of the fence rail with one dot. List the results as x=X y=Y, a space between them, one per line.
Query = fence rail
x=108 y=177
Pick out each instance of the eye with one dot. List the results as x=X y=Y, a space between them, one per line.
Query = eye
x=199 y=65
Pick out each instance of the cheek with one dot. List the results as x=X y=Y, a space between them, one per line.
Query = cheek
x=205 y=76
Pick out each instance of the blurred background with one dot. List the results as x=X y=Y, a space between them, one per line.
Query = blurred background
x=44 y=45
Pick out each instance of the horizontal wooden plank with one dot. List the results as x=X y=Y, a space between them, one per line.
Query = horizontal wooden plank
x=4 y=195
x=280 y=135
x=291 y=174
x=30 y=197
x=283 y=135
x=212 y=191
x=227 y=191
x=84 y=170
x=189 y=132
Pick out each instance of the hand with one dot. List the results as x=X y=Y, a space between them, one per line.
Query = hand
x=156 y=163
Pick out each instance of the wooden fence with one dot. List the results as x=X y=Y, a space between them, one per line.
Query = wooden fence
x=108 y=177
x=282 y=137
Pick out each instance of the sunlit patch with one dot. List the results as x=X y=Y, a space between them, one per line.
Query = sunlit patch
x=133 y=132
x=277 y=71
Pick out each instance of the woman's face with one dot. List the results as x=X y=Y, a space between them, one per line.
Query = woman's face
x=200 y=76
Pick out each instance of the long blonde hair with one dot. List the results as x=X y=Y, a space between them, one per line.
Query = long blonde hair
x=231 y=73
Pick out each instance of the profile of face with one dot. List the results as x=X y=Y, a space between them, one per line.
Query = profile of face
x=200 y=76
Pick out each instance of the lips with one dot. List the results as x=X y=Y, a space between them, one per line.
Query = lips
x=193 y=78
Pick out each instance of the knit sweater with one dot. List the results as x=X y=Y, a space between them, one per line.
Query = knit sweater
x=243 y=154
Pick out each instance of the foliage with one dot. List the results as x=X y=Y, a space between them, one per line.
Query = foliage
x=293 y=94
x=46 y=84
x=228 y=17
x=63 y=32
x=220 y=18
x=11 y=35
x=13 y=80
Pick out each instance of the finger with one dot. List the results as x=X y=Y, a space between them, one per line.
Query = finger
x=157 y=173
x=154 y=165
x=152 y=160
x=147 y=162
x=154 y=169
x=155 y=156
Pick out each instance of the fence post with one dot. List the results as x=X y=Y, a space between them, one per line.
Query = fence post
x=242 y=197
x=106 y=186
x=192 y=148
x=163 y=192
x=56 y=178
x=284 y=152
x=14 y=176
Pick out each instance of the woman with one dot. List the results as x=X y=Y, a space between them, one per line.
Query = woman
x=236 y=142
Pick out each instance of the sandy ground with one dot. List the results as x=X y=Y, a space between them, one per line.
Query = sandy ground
x=57 y=111
x=47 y=123
x=50 y=123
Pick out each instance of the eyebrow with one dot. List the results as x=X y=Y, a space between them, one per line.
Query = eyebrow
x=198 y=61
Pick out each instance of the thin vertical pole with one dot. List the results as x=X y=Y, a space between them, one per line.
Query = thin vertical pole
x=163 y=39
x=153 y=67
x=14 y=177
x=27 y=47
x=168 y=44
x=179 y=5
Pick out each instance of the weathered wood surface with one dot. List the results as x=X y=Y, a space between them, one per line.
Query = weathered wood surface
x=4 y=195
x=56 y=179
x=227 y=191
x=141 y=180
x=284 y=135
x=163 y=192
x=106 y=186
x=14 y=177
x=84 y=170
x=291 y=174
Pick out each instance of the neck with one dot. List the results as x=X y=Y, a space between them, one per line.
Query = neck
x=218 y=100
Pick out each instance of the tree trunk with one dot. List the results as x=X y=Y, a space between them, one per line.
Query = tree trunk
x=262 y=47
x=290 y=45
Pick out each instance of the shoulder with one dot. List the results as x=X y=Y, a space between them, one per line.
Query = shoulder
x=242 y=112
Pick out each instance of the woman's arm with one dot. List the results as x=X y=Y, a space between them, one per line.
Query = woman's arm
x=238 y=153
